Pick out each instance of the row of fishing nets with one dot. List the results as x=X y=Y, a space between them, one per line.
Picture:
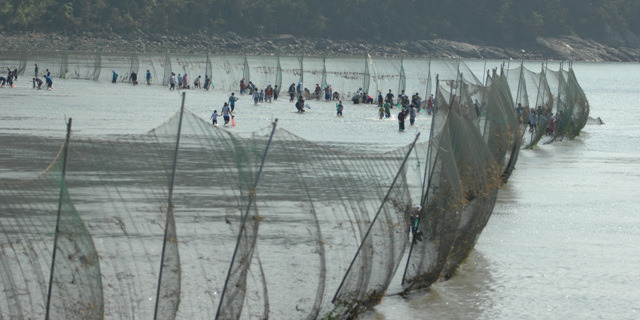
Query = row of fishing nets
x=344 y=75
x=307 y=217
x=191 y=221
x=560 y=108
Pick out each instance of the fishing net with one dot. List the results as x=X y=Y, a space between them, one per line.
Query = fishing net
x=97 y=67
x=323 y=82
x=193 y=221
x=278 y=83
x=248 y=231
x=64 y=65
x=434 y=226
x=402 y=83
x=580 y=106
x=167 y=70
x=246 y=71
x=32 y=285
x=134 y=67
x=13 y=60
x=479 y=179
x=501 y=130
x=543 y=112
x=367 y=75
x=208 y=74
x=22 y=66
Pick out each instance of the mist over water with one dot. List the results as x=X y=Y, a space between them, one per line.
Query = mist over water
x=563 y=241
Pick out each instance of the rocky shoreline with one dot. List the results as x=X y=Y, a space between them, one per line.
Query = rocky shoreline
x=559 y=48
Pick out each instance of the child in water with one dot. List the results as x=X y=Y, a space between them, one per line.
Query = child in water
x=339 y=108
x=214 y=118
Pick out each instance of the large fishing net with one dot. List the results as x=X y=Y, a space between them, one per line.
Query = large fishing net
x=501 y=130
x=48 y=262
x=435 y=224
x=193 y=221
x=254 y=218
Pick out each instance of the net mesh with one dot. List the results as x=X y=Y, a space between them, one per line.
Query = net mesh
x=208 y=73
x=167 y=70
x=97 y=67
x=28 y=228
x=435 y=224
x=367 y=75
x=191 y=220
x=64 y=65
x=278 y=77
x=22 y=66
x=246 y=71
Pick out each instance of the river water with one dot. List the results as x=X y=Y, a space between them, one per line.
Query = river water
x=563 y=241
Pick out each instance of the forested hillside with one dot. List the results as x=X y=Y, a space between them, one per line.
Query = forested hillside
x=389 y=20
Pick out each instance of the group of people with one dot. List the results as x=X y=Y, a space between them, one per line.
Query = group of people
x=227 y=115
x=12 y=77
x=297 y=91
x=535 y=116
x=268 y=94
x=180 y=80
x=227 y=112
x=408 y=107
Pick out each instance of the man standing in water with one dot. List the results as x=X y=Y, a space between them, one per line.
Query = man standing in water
x=232 y=101
x=401 y=120
x=412 y=114
x=114 y=78
x=148 y=77
x=300 y=104
x=226 y=113
x=36 y=71
x=389 y=98
x=292 y=92
x=172 y=81
x=134 y=78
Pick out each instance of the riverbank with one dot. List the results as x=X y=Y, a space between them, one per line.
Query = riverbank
x=560 y=48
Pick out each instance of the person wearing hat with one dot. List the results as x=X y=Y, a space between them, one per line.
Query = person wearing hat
x=299 y=89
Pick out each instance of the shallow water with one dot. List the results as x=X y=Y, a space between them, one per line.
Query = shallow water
x=564 y=239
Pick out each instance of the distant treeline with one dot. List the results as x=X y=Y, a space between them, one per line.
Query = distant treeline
x=366 y=20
